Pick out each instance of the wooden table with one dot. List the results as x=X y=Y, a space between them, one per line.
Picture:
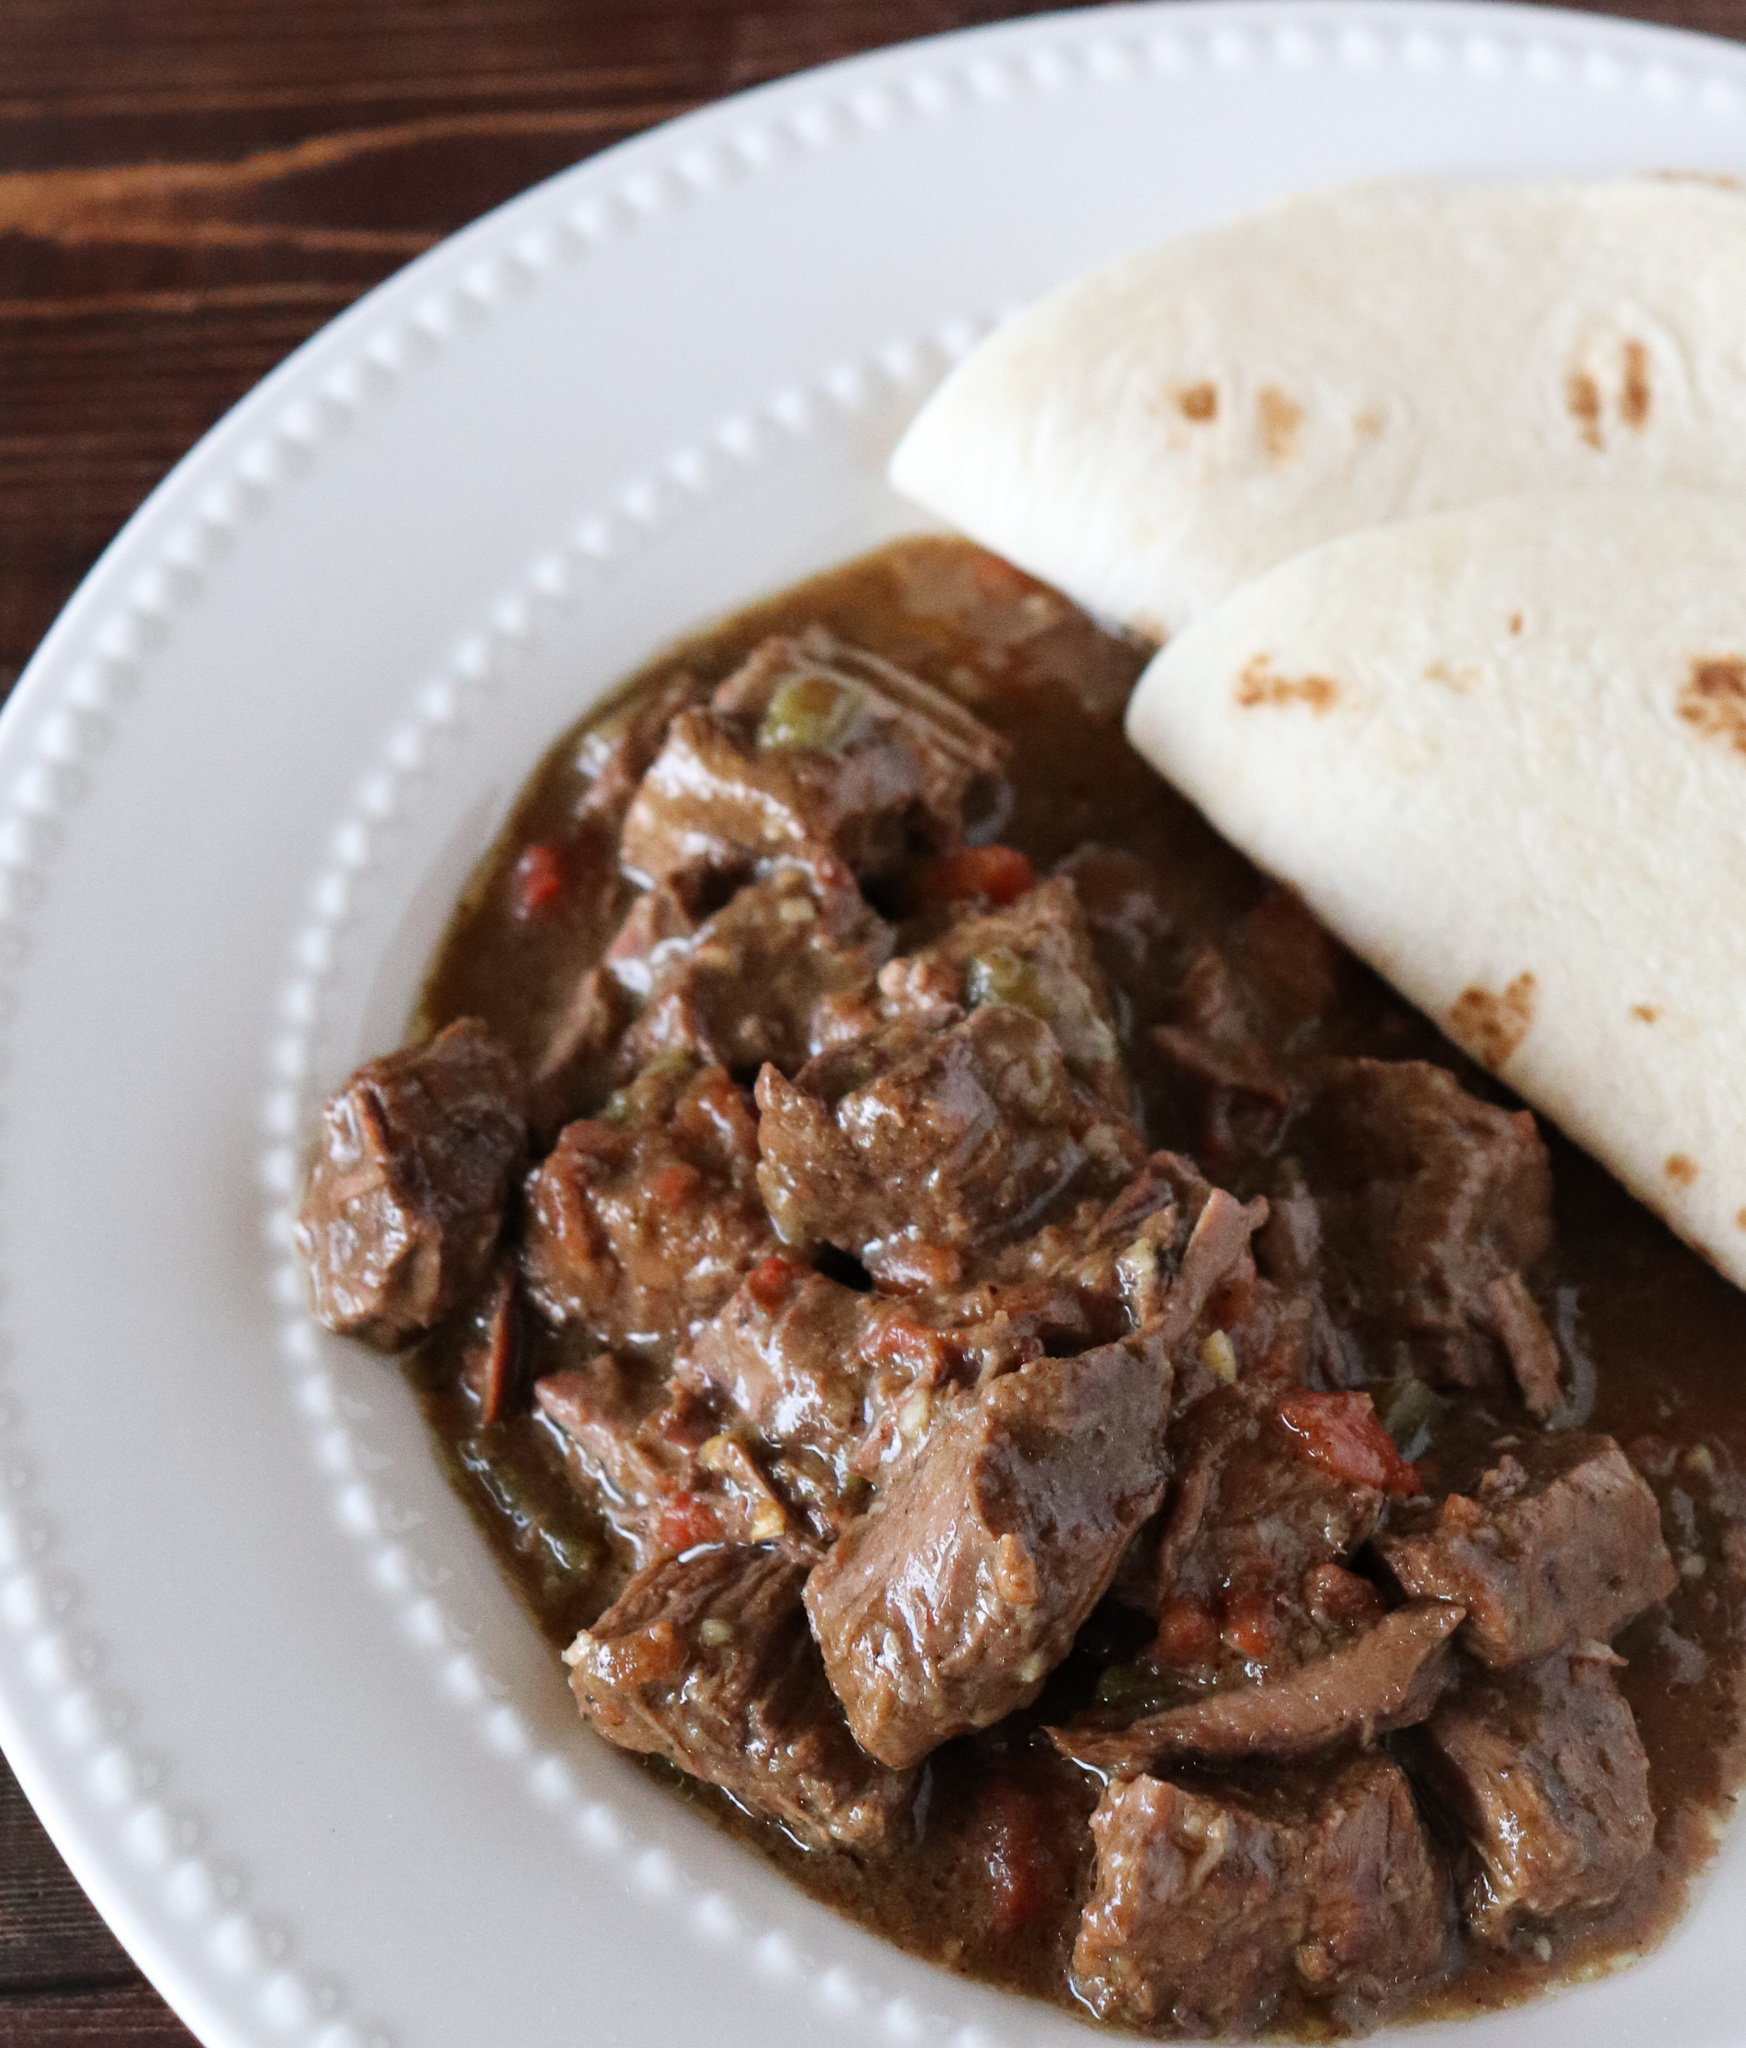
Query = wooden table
x=187 y=189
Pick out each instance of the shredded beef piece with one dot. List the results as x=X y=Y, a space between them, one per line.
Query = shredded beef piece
x=1391 y=1676
x=1286 y=959
x=1036 y=954
x=1426 y=1196
x=1220 y=1068
x=641 y=1221
x=706 y=1659
x=1518 y=1325
x=405 y=1199
x=1126 y=915
x=1543 y=1767
x=1558 y=1544
x=1213 y=1903
x=491 y=1362
x=1288 y=1249
x=812 y=746
x=745 y=986
x=917 y=1148
x=949 y=1603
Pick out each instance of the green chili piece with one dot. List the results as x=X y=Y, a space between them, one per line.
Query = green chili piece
x=810 y=711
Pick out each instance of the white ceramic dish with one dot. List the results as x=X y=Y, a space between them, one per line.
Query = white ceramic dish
x=256 y=1671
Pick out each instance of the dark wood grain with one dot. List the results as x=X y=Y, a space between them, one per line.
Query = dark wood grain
x=188 y=188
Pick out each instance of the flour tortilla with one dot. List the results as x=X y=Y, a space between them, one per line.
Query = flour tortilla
x=1178 y=422
x=1502 y=753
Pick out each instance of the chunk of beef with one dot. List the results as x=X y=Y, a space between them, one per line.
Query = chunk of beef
x=582 y=1056
x=1286 y=960
x=949 y=1603
x=616 y=750
x=405 y=1199
x=706 y=1659
x=745 y=986
x=1390 y=1676
x=836 y=1387
x=605 y=1413
x=1543 y=1768
x=1219 y=1066
x=819 y=691
x=1558 y=1544
x=1131 y=928
x=1168 y=1254
x=917 y=1149
x=669 y=1476
x=1271 y=1488
x=641 y=1221
x=1213 y=1904
x=1426 y=1197
x=1036 y=954
x=784 y=1361
x=812 y=746
x=574 y=1066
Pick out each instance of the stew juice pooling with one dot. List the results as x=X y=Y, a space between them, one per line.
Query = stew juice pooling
x=1022 y=1379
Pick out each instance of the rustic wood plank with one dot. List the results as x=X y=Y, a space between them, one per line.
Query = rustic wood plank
x=50 y=1935
x=127 y=2015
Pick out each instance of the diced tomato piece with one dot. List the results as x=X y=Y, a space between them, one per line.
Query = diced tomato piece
x=684 y=1522
x=929 y=1353
x=648 y=1656
x=1187 y=1631
x=539 y=879
x=1251 y=1623
x=1331 y=1593
x=770 y=1279
x=1232 y=1304
x=1017 y=1853
x=675 y=1184
x=1001 y=873
x=1343 y=1434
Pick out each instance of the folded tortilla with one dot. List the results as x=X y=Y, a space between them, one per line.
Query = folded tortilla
x=1501 y=752
x=1177 y=422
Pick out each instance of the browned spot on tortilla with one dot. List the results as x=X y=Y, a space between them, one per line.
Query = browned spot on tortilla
x=1636 y=397
x=1460 y=680
x=1281 y=416
x=1370 y=422
x=1645 y=1013
x=1492 y=1026
x=1724 y=181
x=1582 y=396
x=1515 y=622
x=1740 y=1218
x=1680 y=1169
x=1714 y=698
x=1261 y=683
x=1199 y=402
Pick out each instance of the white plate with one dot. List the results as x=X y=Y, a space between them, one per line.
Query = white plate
x=257 y=1673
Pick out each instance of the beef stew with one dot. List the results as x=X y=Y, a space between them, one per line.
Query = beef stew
x=1018 y=1376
